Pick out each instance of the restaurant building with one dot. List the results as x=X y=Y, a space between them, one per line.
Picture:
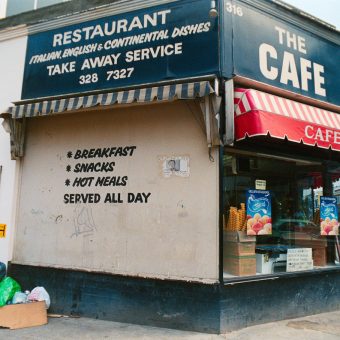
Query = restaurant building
x=176 y=162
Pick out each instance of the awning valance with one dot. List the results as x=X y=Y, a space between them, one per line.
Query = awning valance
x=260 y=114
x=144 y=95
x=15 y=116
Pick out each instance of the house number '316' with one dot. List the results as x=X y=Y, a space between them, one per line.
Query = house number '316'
x=233 y=9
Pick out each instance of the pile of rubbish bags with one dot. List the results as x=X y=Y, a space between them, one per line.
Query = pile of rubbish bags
x=11 y=292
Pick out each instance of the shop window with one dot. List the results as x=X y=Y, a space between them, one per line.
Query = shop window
x=18 y=6
x=14 y=7
x=44 y=3
x=271 y=214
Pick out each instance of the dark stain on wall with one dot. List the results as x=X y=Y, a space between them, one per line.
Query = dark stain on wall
x=183 y=305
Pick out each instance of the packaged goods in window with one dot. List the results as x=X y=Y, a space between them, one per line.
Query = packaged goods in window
x=318 y=245
x=240 y=265
x=238 y=236
x=271 y=258
x=329 y=223
x=316 y=218
x=319 y=257
x=259 y=220
x=266 y=264
x=239 y=253
x=238 y=248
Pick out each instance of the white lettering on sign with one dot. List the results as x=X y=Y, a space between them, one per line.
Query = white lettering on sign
x=153 y=52
x=266 y=52
x=323 y=135
x=191 y=29
x=305 y=73
x=61 y=68
x=103 y=61
x=319 y=80
x=136 y=39
x=291 y=39
x=234 y=9
x=140 y=37
x=289 y=72
x=287 y=67
x=108 y=29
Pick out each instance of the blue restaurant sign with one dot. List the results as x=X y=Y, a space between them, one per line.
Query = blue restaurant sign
x=180 y=40
x=161 y=43
x=271 y=50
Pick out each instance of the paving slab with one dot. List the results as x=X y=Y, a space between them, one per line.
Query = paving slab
x=324 y=326
x=86 y=329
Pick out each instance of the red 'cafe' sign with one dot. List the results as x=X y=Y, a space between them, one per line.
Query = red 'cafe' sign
x=260 y=114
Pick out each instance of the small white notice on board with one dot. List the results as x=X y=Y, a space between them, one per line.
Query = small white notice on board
x=260 y=184
x=175 y=166
x=299 y=259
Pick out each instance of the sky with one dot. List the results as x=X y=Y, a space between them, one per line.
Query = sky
x=326 y=10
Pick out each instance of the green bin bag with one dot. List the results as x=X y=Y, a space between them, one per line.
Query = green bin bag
x=8 y=287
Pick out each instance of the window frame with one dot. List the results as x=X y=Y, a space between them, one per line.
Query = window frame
x=272 y=153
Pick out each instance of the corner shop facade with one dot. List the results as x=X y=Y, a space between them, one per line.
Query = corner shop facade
x=125 y=186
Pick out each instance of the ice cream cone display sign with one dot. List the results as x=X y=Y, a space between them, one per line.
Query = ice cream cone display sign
x=259 y=212
x=329 y=223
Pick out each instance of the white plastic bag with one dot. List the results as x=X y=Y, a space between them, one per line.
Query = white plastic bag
x=19 y=297
x=40 y=294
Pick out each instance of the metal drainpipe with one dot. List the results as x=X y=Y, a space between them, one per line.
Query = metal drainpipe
x=221 y=152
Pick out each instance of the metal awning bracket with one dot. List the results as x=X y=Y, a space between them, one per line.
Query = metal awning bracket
x=210 y=106
x=228 y=138
x=16 y=128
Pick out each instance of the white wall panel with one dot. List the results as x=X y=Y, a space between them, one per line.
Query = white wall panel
x=173 y=235
x=11 y=72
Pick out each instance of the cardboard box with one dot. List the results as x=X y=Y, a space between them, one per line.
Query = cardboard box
x=319 y=256
x=238 y=236
x=240 y=265
x=318 y=246
x=310 y=239
x=23 y=315
x=238 y=248
x=311 y=243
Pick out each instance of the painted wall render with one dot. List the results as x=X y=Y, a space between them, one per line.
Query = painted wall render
x=98 y=193
x=11 y=74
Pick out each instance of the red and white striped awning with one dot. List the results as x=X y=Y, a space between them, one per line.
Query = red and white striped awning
x=260 y=114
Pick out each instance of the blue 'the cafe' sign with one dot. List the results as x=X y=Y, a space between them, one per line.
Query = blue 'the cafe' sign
x=179 y=40
x=271 y=50
x=149 y=45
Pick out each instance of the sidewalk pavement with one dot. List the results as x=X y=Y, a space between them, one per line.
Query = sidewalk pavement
x=324 y=326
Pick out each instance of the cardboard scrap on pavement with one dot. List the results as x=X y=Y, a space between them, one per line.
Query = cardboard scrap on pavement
x=23 y=315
